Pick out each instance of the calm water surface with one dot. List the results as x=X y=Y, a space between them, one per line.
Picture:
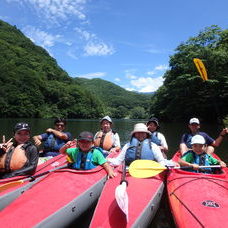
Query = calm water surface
x=172 y=132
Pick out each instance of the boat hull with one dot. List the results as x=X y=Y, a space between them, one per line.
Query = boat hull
x=198 y=200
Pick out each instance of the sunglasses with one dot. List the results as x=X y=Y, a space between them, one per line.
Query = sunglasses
x=60 y=125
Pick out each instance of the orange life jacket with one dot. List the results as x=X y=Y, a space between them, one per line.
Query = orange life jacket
x=104 y=140
x=13 y=159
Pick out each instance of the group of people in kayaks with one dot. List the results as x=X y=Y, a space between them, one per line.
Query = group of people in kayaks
x=20 y=156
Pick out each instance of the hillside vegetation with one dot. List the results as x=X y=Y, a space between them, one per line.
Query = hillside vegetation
x=33 y=85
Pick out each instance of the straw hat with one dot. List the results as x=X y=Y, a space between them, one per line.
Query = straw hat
x=140 y=127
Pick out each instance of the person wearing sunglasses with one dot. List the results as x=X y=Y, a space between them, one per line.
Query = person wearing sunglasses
x=18 y=156
x=53 y=139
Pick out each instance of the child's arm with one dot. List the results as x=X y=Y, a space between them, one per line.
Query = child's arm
x=184 y=163
x=223 y=164
x=109 y=170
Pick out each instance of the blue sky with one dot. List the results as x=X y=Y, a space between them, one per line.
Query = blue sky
x=127 y=42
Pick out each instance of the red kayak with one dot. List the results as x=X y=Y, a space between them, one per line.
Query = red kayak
x=11 y=188
x=144 y=196
x=197 y=199
x=57 y=200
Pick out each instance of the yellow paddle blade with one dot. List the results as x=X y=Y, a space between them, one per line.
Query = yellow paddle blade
x=145 y=168
x=10 y=185
x=201 y=68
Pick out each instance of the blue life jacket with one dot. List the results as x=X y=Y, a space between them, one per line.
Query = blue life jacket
x=84 y=160
x=53 y=143
x=155 y=139
x=201 y=160
x=139 y=150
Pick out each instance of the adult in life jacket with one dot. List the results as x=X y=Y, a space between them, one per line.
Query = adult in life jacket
x=194 y=129
x=85 y=156
x=53 y=139
x=157 y=137
x=198 y=156
x=140 y=147
x=106 y=138
x=18 y=156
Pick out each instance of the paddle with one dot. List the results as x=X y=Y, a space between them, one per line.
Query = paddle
x=203 y=73
x=149 y=168
x=31 y=178
x=121 y=193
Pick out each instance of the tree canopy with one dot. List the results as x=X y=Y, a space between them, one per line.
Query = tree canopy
x=184 y=94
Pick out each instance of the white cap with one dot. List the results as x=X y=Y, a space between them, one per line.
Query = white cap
x=194 y=120
x=198 y=139
x=140 y=127
x=106 y=118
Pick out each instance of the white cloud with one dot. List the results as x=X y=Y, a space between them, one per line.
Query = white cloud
x=40 y=37
x=98 y=49
x=85 y=34
x=150 y=73
x=147 y=84
x=71 y=54
x=161 y=67
x=117 y=79
x=92 y=75
x=53 y=10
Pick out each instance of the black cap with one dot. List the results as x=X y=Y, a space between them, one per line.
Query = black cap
x=21 y=126
x=85 y=135
x=153 y=119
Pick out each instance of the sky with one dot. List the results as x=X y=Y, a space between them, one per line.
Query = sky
x=127 y=42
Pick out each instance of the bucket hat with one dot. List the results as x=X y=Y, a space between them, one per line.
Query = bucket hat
x=106 y=118
x=140 y=127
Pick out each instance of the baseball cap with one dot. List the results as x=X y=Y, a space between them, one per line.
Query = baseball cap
x=194 y=120
x=106 y=118
x=85 y=135
x=198 y=139
x=21 y=126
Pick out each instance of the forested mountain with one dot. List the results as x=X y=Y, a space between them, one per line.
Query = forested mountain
x=118 y=99
x=33 y=85
x=184 y=94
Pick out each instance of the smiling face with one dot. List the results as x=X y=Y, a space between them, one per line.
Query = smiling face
x=105 y=125
x=85 y=145
x=59 y=126
x=140 y=136
x=194 y=127
x=22 y=136
x=152 y=126
x=198 y=148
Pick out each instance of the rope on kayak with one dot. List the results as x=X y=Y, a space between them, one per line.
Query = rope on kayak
x=211 y=179
x=186 y=207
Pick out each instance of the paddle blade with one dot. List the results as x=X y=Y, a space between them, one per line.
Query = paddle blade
x=10 y=185
x=145 y=168
x=122 y=198
x=201 y=68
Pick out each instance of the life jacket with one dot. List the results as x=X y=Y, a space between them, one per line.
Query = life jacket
x=139 y=150
x=104 y=140
x=201 y=160
x=14 y=159
x=53 y=143
x=84 y=160
x=155 y=139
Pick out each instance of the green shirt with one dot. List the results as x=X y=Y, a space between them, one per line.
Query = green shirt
x=189 y=157
x=97 y=158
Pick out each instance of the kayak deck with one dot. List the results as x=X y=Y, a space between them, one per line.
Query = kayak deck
x=144 y=196
x=197 y=199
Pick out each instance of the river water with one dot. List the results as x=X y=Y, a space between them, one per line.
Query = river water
x=172 y=132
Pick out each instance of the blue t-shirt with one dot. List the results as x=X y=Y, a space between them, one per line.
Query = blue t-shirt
x=187 y=137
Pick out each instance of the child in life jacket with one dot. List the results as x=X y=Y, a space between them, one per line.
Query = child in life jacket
x=85 y=156
x=198 y=156
x=19 y=157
